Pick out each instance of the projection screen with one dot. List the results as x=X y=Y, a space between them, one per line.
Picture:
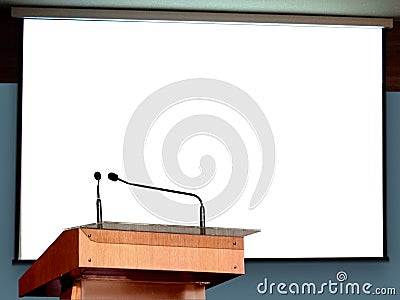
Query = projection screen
x=275 y=127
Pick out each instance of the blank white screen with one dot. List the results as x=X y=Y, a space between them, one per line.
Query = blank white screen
x=320 y=89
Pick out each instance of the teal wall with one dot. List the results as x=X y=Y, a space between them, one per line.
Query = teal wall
x=378 y=273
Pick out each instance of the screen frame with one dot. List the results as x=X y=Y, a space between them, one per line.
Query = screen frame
x=206 y=15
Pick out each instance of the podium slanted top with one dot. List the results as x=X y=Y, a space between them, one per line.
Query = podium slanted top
x=177 y=229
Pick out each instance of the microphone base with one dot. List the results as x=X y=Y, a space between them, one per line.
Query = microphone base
x=202 y=230
x=99 y=211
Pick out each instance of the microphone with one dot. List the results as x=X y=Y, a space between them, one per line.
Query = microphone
x=99 y=209
x=114 y=177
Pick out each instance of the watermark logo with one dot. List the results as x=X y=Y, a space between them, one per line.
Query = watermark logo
x=174 y=102
x=341 y=276
x=341 y=286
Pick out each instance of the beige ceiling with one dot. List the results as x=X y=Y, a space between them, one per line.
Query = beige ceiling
x=373 y=8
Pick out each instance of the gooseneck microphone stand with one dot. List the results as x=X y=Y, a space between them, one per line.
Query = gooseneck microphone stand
x=99 y=209
x=114 y=177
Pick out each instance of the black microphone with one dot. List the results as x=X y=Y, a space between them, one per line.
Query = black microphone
x=99 y=209
x=114 y=177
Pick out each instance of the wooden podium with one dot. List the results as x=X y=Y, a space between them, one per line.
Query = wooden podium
x=136 y=261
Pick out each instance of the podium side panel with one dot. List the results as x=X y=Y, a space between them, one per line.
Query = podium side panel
x=60 y=258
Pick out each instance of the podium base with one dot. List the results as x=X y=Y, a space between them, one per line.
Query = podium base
x=101 y=288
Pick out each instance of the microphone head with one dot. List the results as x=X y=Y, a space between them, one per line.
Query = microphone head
x=112 y=176
x=97 y=175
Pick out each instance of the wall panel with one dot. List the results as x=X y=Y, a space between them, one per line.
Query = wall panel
x=392 y=52
x=10 y=57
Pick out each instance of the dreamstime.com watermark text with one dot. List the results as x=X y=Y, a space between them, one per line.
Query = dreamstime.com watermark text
x=340 y=286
